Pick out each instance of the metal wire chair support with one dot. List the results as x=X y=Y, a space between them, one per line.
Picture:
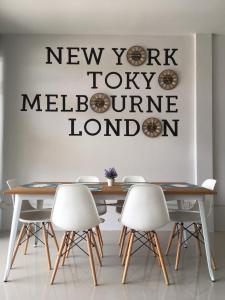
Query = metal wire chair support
x=75 y=242
x=143 y=243
x=34 y=233
x=194 y=234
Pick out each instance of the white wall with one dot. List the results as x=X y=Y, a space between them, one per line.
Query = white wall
x=1 y=121
x=204 y=162
x=219 y=126
x=37 y=145
x=203 y=111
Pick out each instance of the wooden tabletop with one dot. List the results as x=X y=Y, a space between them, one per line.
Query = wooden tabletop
x=106 y=190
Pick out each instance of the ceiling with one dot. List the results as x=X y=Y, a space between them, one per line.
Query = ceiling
x=112 y=16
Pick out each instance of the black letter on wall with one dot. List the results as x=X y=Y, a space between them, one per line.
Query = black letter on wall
x=82 y=103
x=93 y=121
x=166 y=125
x=72 y=127
x=127 y=122
x=93 y=54
x=58 y=57
x=71 y=55
x=170 y=56
x=94 y=86
x=119 y=55
x=152 y=56
x=36 y=102
x=110 y=125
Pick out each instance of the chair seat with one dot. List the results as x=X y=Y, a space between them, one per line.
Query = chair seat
x=31 y=216
x=184 y=216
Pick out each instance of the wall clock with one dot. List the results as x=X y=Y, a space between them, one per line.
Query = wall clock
x=100 y=102
x=152 y=127
x=168 y=79
x=136 y=55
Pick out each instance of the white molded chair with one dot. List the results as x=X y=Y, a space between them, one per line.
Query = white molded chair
x=145 y=210
x=101 y=204
x=30 y=217
x=12 y=183
x=133 y=178
x=74 y=210
x=128 y=179
x=119 y=207
x=189 y=213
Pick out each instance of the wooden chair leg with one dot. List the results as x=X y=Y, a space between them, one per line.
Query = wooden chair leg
x=123 y=241
x=98 y=231
x=20 y=237
x=96 y=247
x=197 y=239
x=179 y=242
x=213 y=263
x=58 y=258
x=46 y=245
x=151 y=242
x=91 y=258
x=171 y=238
x=99 y=241
x=72 y=237
x=153 y=246
x=130 y=244
x=54 y=236
x=126 y=249
x=161 y=258
x=121 y=235
x=66 y=247
x=99 y=236
x=29 y=228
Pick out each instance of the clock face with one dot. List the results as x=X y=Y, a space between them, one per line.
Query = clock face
x=168 y=79
x=100 y=102
x=152 y=127
x=136 y=55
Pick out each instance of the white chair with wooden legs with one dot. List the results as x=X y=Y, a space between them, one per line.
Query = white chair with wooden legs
x=145 y=210
x=189 y=214
x=119 y=207
x=101 y=208
x=31 y=217
x=75 y=211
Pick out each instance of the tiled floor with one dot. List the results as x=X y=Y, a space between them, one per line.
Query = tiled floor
x=29 y=279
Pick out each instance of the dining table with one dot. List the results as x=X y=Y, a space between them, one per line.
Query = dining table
x=42 y=190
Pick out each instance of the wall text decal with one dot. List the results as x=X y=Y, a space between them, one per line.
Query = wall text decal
x=113 y=80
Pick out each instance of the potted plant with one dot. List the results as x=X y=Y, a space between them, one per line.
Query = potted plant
x=110 y=174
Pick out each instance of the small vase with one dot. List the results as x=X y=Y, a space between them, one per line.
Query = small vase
x=110 y=181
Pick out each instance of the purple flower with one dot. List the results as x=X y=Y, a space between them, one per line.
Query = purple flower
x=111 y=173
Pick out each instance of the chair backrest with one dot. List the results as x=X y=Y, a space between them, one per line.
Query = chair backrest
x=145 y=208
x=128 y=179
x=74 y=208
x=12 y=183
x=87 y=179
x=133 y=178
x=193 y=205
x=101 y=204
x=209 y=184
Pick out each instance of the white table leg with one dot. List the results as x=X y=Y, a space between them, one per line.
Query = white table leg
x=206 y=237
x=13 y=232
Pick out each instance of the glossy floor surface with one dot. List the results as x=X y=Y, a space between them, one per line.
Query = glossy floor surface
x=29 y=278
